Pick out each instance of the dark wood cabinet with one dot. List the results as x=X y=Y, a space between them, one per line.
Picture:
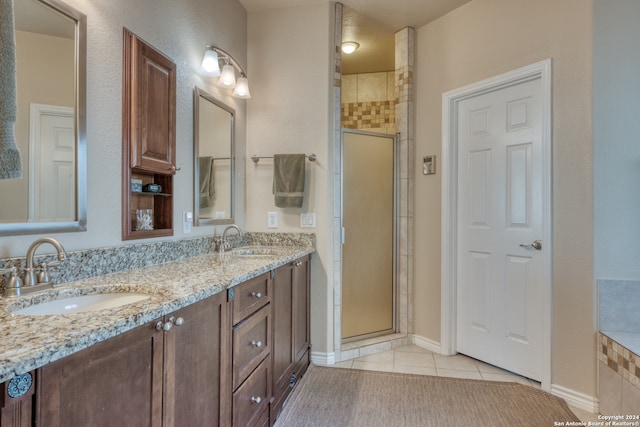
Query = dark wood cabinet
x=16 y=401
x=148 y=137
x=290 y=349
x=230 y=359
x=251 y=349
x=171 y=372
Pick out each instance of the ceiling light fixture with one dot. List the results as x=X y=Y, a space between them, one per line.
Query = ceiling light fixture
x=350 y=47
x=211 y=67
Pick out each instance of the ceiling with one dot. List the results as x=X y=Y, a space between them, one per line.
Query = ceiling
x=372 y=23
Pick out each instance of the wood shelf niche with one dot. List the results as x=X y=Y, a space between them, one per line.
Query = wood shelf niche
x=148 y=135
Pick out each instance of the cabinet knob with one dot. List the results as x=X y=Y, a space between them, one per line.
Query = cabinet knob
x=256 y=294
x=256 y=343
x=256 y=399
x=297 y=263
x=174 y=169
x=159 y=325
x=179 y=321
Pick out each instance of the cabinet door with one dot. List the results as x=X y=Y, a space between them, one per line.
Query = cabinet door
x=282 y=350
x=152 y=103
x=16 y=401
x=197 y=371
x=114 y=383
x=301 y=300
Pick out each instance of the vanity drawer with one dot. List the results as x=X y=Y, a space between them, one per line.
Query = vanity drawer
x=251 y=344
x=249 y=296
x=251 y=400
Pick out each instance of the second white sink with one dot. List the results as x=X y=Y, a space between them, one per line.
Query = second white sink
x=82 y=303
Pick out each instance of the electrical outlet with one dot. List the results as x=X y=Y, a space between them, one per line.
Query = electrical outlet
x=272 y=219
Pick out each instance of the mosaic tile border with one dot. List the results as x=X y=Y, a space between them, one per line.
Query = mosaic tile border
x=367 y=115
x=620 y=359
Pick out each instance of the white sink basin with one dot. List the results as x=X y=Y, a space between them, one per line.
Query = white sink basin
x=82 y=303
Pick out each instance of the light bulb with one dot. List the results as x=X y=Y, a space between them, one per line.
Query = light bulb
x=210 y=64
x=227 y=77
x=350 y=47
x=242 y=88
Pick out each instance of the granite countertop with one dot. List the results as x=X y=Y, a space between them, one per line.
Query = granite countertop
x=30 y=342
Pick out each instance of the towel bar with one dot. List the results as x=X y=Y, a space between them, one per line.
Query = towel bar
x=312 y=158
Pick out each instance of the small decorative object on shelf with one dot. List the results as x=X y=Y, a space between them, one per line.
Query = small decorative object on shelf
x=144 y=219
x=136 y=185
x=153 y=188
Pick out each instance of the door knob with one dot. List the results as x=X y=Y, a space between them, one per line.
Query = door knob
x=537 y=245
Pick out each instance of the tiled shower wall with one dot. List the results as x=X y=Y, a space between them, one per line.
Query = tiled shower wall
x=368 y=102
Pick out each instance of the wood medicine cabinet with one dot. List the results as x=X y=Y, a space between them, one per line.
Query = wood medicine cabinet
x=148 y=140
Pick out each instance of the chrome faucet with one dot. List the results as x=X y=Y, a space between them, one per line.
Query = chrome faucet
x=31 y=282
x=225 y=244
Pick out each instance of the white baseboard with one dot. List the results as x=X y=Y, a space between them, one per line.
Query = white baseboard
x=323 y=359
x=426 y=343
x=576 y=399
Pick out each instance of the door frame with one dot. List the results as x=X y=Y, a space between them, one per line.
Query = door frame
x=396 y=213
x=449 y=236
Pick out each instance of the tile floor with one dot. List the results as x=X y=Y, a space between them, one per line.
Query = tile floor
x=412 y=359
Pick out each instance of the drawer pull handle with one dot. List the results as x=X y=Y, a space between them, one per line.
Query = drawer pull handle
x=256 y=399
x=256 y=343
x=160 y=326
x=256 y=294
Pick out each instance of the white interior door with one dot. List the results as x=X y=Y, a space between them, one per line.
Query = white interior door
x=52 y=155
x=500 y=214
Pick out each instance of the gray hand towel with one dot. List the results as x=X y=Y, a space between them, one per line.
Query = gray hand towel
x=207 y=185
x=288 y=180
x=10 y=165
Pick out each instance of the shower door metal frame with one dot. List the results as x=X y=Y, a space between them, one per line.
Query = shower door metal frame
x=396 y=195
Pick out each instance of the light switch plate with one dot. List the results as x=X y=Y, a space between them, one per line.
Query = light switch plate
x=187 y=222
x=308 y=220
x=272 y=219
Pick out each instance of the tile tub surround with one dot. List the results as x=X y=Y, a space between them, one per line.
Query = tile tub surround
x=619 y=301
x=619 y=376
x=29 y=342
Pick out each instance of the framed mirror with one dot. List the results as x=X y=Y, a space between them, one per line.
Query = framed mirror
x=214 y=160
x=50 y=127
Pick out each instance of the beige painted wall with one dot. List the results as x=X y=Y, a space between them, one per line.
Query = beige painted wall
x=289 y=49
x=479 y=40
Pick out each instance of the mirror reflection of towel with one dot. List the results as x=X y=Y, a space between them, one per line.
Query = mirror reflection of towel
x=207 y=184
x=288 y=180
x=10 y=165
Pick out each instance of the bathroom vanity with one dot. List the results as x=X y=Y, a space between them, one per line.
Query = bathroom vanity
x=221 y=340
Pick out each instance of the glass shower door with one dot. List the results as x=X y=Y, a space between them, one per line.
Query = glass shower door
x=368 y=219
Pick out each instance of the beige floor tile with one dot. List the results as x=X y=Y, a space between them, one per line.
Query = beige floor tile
x=416 y=370
x=454 y=373
x=506 y=377
x=457 y=362
x=412 y=348
x=345 y=364
x=414 y=359
x=384 y=357
x=371 y=366
x=584 y=415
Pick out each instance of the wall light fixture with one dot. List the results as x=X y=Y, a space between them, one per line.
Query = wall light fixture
x=211 y=67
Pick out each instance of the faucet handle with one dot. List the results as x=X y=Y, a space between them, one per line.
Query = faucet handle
x=14 y=282
x=43 y=274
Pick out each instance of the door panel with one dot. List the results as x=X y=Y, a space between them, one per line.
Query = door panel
x=500 y=207
x=368 y=221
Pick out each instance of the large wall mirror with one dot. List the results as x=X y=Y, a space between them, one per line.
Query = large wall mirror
x=50 y=127
x=214 y=159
